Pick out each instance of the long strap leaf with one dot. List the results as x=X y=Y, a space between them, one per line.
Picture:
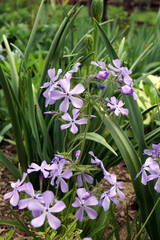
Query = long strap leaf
x=15 y=121
x=131 y=159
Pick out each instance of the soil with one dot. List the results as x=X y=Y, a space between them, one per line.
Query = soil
x=120 y=213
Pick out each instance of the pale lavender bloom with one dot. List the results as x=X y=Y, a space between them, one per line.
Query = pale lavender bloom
x=17 y=187
x=98 y=162
x=77 y=154
x=80 y=179
x=34 y=196
x=75 y=68
x=35 y=168
x=51 y=86
x=106 y=199
x=154 y=153
x=112 y=179
x=128 y=90
x=73 y=122
x=122 y=71
x=87 y=238
x=60 y=175
x=149 y=165
x=83 y=205
x=155 y=174
x=116 y=106
x=102 y=65
x=67 y=95
x=47 y=211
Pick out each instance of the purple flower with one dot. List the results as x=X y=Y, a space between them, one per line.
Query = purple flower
x=149 y=165
x=102 y=75
x=17 y=187
x=51 y=85
x=35 y=168
x=77 y=155
x=60 y=175
x=155 y=174
x=102 y=65
x=116 y=106
x=47 y=211
x=154 y=153
x=30 y=191
x=122 y=71
x=112 y=179
x=98 y=162
x=105 y=200
x=67 y=95
x=87 y=238
x=83 y=205
x=80 y=179
x=73 y=122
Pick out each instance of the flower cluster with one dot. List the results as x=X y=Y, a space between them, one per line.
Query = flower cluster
x=150 y=170
x=44 y=205
x=60 y=88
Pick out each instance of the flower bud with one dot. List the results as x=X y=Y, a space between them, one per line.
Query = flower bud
x=88 y=42
x=97 y=9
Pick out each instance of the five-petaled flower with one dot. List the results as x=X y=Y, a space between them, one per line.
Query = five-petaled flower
x=83 y=204
x=73 y=122
x=116 y=106
x=47 y=211
x=17 y=187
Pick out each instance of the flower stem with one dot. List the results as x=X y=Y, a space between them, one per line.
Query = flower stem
x=147 y=219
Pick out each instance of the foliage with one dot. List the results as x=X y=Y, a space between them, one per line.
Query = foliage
x=24 y=76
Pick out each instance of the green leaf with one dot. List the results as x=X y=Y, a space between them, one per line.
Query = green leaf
x=14 y=74
x=9 y=234
x=96 y=138
x=32 y=36
x=10 y=96
x=10 y=166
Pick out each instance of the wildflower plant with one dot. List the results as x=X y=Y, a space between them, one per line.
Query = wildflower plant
x=62 y=142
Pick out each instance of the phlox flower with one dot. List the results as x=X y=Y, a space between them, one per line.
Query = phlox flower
x=51 y=85
x=98 y=162
x=67 y=94
x=47 y=211
x=35 y=168
x=102 y=75
x=149 y=165
x=121 y=71
x=61 y=176
x=17 y=187
x=83 y=204
x=73 y=122
x=30 y=191
x=123 y=78
x=155 y=174
x=116 y=106
x=155 y=153
x=80 y=179
x=112 y=179
x=106 y=199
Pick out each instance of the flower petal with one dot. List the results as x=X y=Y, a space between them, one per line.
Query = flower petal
x=92 y=214
x=39 y=221
x=64 y=105
x=79 y=214
x=58 y=207
x=53 y=221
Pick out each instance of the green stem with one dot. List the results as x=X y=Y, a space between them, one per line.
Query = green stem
x=147 y=219
x=95 y=41
x=85 y=133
